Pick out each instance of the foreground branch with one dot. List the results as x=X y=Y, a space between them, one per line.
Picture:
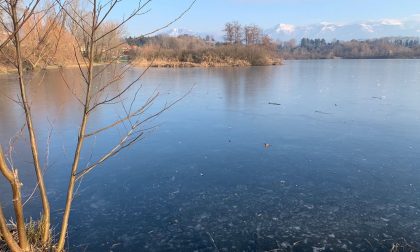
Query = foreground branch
x=6 y=234
x=13 y=179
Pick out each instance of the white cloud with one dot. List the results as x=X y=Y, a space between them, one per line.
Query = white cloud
x=288 y=28
x=392 y=22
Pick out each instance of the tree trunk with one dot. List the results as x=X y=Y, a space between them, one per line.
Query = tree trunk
x=34 y=147
x=12 y=177
x=81 y=137
x=7 y=236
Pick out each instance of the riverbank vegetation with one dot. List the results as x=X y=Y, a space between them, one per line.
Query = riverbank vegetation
x=243 y=46
x=188 y=51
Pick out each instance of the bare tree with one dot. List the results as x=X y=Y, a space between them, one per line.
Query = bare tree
x=93 y=37
x=233 y=33
x=15 y=18
x=252 y=34
x=229 y=33
x=97 y=31
x=42 y=35
x=110 y=47
x=237 y=32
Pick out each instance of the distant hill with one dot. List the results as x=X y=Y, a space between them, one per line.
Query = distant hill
x=175 y=32
x=362 y=30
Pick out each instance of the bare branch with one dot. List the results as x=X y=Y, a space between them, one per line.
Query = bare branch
x=27 y=14
x=107 y=101
x=13 y=178
x=134 y=13
x=136 y=113
x=132 y=136
x=172 y=22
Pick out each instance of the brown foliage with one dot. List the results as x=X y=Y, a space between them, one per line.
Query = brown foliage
x=188 y=49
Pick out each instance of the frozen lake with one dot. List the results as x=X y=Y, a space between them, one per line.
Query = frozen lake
x=341 y=171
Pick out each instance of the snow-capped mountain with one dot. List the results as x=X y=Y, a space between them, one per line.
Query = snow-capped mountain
x=363 y=30
x=175 y=32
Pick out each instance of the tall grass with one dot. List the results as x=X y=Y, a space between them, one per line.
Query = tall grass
x=197 y=51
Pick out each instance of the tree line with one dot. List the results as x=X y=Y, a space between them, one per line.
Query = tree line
x=360 y=49
x=235 y=33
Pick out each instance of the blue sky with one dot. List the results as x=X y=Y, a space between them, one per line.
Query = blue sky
x=211 y=15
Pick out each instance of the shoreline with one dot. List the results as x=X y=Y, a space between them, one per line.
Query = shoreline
x=12 y=70
x=184 y=64
x=204 y=64
x=152 y=64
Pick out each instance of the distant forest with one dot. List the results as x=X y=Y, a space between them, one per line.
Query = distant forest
x=383 y=48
